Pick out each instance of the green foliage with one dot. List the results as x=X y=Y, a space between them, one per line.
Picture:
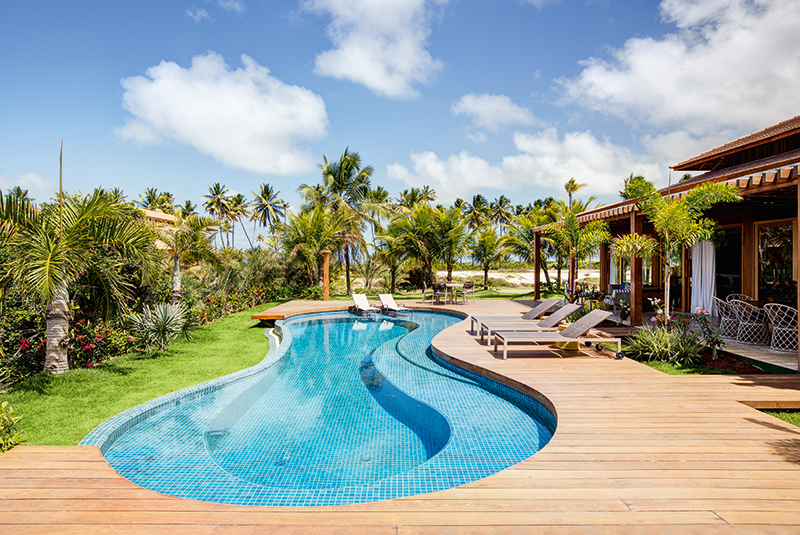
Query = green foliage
x=9 y=428
x=62 y=409
x=678 y=222
x=157 y=328
x=660 y=343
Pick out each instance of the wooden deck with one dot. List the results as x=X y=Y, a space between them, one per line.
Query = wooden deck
x=635 y=451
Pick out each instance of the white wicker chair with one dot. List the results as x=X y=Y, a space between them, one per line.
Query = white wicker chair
x=753 y=328
x=740 y=297
x=728 y=320
x=784 y=326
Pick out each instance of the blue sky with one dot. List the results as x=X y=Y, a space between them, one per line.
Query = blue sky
x=495 y=97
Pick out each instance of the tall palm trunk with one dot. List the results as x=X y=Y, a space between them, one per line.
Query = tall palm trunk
x=486 y=277
x=245 y=234
x=177 y=294
x=544 y=268
x=57 y=316
x=347 y=267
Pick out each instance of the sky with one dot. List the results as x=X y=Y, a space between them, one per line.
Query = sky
x=497 y=97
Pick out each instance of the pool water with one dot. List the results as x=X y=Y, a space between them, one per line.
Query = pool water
x=345 y=410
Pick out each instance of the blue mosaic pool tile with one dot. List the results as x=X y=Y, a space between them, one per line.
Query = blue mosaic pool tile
x=406 y=422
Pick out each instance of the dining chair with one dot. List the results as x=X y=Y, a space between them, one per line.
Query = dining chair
x=753 y=328
x=784 y=326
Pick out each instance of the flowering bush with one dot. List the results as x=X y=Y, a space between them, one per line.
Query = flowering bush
x=94 y=342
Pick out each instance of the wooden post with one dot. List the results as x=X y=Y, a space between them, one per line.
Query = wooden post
x=637 y=298
x=537 y=265
x=797 y=260
x=604 y=268
x=686 y=273
x=326 y=260
x=749 y=276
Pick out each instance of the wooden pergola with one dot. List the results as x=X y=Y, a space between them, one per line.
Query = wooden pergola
x=762 y=165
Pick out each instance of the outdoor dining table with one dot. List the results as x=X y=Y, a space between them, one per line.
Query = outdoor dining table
x=452 y=286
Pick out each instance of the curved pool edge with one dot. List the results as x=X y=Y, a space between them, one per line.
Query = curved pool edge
x=489 y=374
x=110 y=430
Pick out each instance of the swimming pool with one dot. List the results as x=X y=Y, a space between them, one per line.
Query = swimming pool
x=344 y=410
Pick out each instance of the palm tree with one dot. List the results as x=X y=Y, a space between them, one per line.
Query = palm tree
x=521 y=237
x=157 y=201
x=501 y=211
x=267 y=208
x=309 y=233
x=92 y=236
x=478 y=212
x=414 y=237
x=391 y=255
x=217 y=203
x=346 y=186
x=486 y=249
x=452 y=234
x=188 y=242
x=410 y=197
x=238 y=208
x=572 y=186
x=188 y=209
x=679 y=222
x=579 y=241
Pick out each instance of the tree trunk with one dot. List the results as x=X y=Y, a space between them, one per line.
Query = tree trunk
x=57 y=316
x=393 y=282
x=667 y=278
x=245 y=233
x=544 y=268
x=449 y=273
x=347 y=267
x=486 y=278
x=177 y=294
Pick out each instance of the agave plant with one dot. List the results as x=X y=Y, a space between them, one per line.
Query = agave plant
x=157 y=328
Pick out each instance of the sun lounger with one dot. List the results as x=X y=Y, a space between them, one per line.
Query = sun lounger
x=574 y=333
x=532 y=314
x=361 y=305
x=550 y=323
x=389 y=305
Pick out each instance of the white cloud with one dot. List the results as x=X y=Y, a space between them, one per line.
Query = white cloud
x=379 y=44
x=491 y=111
x=539 y=4
x=245 y=118
x=198 y=14
x=543 y=163
x=231 y=5
x=38 y=187
x=731 y=65
x=478 y=137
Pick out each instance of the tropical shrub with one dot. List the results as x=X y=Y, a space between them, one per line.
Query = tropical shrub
x=94 y=342
x=9 y=428
x=677 y=346
x=156 y=328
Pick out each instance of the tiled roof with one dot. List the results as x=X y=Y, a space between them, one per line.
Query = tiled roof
x=782 y=129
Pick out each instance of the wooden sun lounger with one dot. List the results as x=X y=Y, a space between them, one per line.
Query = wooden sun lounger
x=547 y=324
x=532 y=314
x=574 y=333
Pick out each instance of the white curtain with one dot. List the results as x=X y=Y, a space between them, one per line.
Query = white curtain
x=703 y=276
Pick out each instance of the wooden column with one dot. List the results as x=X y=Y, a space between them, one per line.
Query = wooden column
x=604 y=267
x=637 y=297
x=749 y=283
x=326 y=260
x=686 y=268
x=537 y=265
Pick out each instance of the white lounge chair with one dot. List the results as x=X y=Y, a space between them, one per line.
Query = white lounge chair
x=540 y=309
x=550 y=323
x=389 y=305
x=574 y=333
x=361 y=305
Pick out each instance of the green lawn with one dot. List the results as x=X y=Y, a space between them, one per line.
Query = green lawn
x=672 y=369
x=61 y=410
x=793 y=417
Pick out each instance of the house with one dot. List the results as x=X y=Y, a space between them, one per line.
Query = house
x=757 y=251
